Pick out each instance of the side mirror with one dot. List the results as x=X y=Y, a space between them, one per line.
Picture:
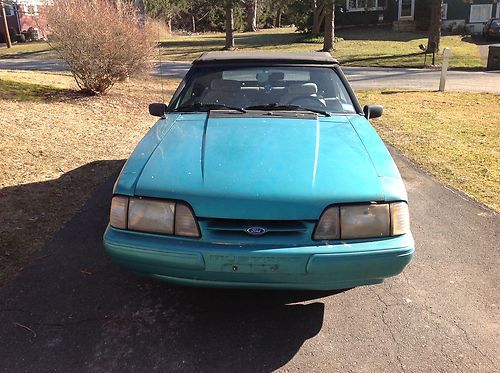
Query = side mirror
x=373 y=111
x=157 y=110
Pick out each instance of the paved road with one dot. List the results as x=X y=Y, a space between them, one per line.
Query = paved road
x=72 y=310
x=35 y=62
x=370 y=77
x=360 y=77
x=381 y=77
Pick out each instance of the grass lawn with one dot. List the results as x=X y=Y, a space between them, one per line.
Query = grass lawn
x=359 y=47
x=58 y=146
x=454 y=136
x=24 y=48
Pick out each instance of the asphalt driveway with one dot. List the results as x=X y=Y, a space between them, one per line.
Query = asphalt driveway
x=72 y=310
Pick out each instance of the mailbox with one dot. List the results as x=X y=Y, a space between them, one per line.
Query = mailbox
x=494 y=57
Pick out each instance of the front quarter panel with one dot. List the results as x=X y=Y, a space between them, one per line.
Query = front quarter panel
x=132 y=169
x=387 y=171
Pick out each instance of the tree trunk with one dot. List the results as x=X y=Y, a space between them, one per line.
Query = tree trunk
x=318 y=17
x=169 y=24
x=329 y=42
x=277 y=22
x=251 y=16
x=193 y=23
x=435 y=26
x=229 y=25
x=5 y=25
x=141 y=11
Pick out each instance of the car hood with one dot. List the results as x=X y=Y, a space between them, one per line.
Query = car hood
x=244 y=167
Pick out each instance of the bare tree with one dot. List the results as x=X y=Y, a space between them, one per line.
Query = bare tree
x=318 y=17
x=329 y=42
x=166 y=10
x=435 y=26
x=251 y=15
x=168 y=22
x=277 y=21
x=229 y=25
x=193 y=18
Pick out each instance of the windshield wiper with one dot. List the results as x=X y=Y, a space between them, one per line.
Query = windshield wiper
x=276 y=106
x=207 y=107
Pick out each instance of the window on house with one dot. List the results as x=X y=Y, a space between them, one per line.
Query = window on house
x=480 y=12
x=360 y=5
x=444 y=11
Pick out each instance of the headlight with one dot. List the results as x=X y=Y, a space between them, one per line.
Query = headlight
x=328 y=227
x=400 y=218
x=118 y=215
x=185 y=223
x=363 y=221
x=153 y=216
x=148 y=215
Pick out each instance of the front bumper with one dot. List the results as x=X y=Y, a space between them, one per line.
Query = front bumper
x=323 y=267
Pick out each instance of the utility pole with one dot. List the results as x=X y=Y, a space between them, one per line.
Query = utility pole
x=5 y=25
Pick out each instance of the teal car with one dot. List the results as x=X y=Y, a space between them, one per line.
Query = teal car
x=262 y=172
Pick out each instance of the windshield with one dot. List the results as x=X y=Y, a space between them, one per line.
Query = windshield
x=317 y=89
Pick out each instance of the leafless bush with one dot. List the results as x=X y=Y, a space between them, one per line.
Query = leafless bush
x=100 y=42
x=159 y=29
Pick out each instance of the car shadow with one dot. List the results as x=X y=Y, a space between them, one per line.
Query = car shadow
x=31 y=213
x=379 y=33
x=383 y=58
x=30 y=92
x=72 y=309
x=35 y=54
x=476 y=39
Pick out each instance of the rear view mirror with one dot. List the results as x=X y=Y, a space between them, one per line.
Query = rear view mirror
x=373 y=111
x=157 y=109
x=276 y=76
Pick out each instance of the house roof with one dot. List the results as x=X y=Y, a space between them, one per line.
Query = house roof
x=274 y=57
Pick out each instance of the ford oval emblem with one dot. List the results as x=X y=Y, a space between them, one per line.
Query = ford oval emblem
x=256 y=231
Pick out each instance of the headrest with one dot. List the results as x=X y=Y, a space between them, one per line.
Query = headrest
x=304 y=89
x=225 y=85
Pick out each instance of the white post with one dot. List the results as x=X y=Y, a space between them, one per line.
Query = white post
x=444 y=68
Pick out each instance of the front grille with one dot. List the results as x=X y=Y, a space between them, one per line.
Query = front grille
x=240 y=231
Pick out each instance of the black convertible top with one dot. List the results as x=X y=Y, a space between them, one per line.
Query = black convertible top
x=322 y=58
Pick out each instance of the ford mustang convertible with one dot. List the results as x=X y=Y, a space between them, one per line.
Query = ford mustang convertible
x=262 y=172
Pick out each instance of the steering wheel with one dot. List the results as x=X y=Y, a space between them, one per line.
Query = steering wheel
x=308 y=101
